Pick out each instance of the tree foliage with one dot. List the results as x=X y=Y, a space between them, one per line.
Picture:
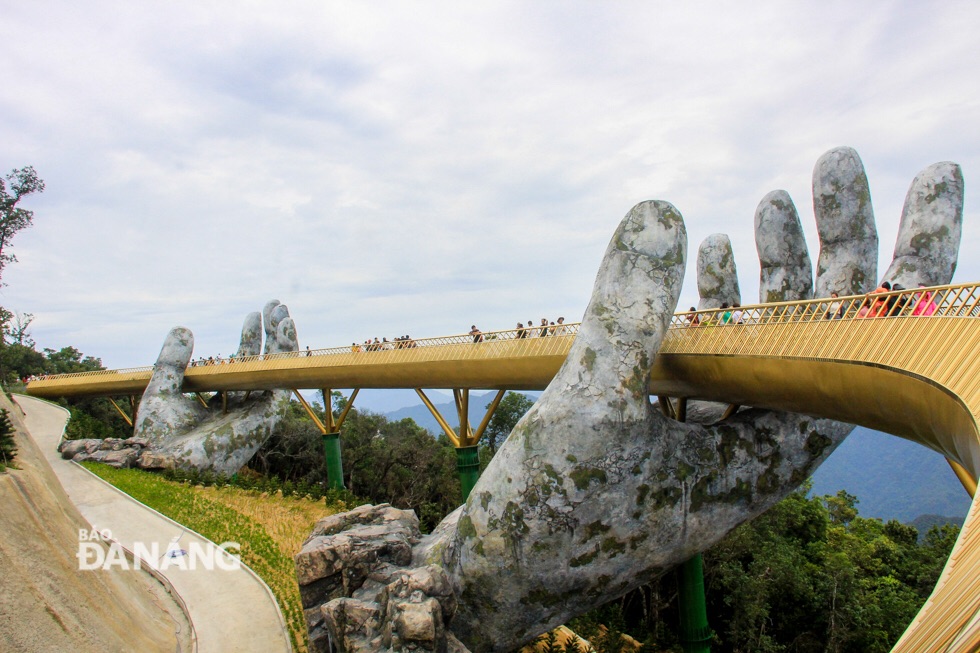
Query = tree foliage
x=510 y=410
x=384 y=462
x=7 y=447
x=17 y=185
x=810 y=575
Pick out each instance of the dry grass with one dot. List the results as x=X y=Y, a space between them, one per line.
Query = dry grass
x=287 y=520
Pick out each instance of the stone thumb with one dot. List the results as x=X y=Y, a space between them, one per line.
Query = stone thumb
x=168 y=371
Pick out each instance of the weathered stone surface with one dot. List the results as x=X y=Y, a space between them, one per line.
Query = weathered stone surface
x=717 y=276
x=929 y=234
x=183 y=433
x=111 y=451
x=848 y=260
x=359 y=588
x=595 y=492
x=71 y=448
x=786 y=273
x=151 y=460
x=366 y=541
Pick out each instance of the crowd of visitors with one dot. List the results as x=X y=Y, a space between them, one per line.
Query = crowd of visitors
x=880 y=302
x=401 y=342
x=876 y=304
x=544 y=329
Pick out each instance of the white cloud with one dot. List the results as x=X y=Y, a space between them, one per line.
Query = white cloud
x=387 y=168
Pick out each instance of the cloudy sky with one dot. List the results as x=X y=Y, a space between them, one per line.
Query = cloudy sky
x=414 y=168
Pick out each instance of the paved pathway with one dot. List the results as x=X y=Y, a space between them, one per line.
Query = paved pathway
x=231 y=610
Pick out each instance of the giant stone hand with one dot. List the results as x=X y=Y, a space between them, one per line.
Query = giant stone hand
x=222 y=436
x=596 y=492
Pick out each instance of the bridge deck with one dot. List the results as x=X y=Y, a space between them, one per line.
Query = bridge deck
x=913 y=372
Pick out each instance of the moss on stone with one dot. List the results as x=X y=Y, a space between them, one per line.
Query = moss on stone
x=512 y=521
x=588 y=358
x=816 y=443
x=612 y=546
x=937 y=190
x=922 y=242
x=641 y=494
x=583 y=476
x=701 y=495
x=538 y=596
x=683 y=471
x=594 y=529
x=465 y=527
x=584 y=559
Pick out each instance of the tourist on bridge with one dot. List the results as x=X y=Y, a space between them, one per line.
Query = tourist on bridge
x=922 y=303
x=521 y=333
x=879 y=307
x=693 y=319
x=836 y=309
x=476 y=333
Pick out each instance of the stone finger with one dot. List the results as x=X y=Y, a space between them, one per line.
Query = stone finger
x=251 y=341
x=271 y=317
x=168 y=371
x=164 y=410
x=286 y=339
x=848 y=261
x=929 y=235
x=717 y=276
x=786 y=272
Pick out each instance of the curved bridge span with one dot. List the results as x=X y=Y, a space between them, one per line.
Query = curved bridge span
x=912 y=371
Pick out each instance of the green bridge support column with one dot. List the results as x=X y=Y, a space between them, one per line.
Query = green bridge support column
x=695 y=633
x=335 y=464
x=468 y=466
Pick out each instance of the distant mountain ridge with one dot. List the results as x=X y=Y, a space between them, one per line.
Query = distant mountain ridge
x=893 y=478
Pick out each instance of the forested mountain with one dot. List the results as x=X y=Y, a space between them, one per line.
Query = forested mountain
x=893 y=478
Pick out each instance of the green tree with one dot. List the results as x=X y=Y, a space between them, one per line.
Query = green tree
x=7 y=448
x=18 y=184
x=68 y=359
x=511 y=409
x=384 y=462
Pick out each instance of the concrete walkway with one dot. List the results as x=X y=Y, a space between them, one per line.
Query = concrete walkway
x=231 y=610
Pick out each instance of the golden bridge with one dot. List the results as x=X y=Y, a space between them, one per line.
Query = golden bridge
x=903 y=363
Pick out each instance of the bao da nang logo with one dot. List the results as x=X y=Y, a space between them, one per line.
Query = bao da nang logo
x=97 y=550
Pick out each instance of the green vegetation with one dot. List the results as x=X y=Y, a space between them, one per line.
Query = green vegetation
x=19 y=184
x=384 y=462
x=269 y=527
x=7 y=447
x=510 y=410
x=809 y=575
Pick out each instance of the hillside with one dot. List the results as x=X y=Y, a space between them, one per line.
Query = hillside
x=893 y=478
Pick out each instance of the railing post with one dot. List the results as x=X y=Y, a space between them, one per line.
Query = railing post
x=335 y=464
x=695 y=632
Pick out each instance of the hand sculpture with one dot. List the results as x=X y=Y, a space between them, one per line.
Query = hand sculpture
x=181 y=432
x=596 y=492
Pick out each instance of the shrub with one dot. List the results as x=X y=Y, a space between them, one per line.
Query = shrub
x=7 y=447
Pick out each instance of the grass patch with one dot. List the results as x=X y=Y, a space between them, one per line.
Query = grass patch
x=269 y=527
